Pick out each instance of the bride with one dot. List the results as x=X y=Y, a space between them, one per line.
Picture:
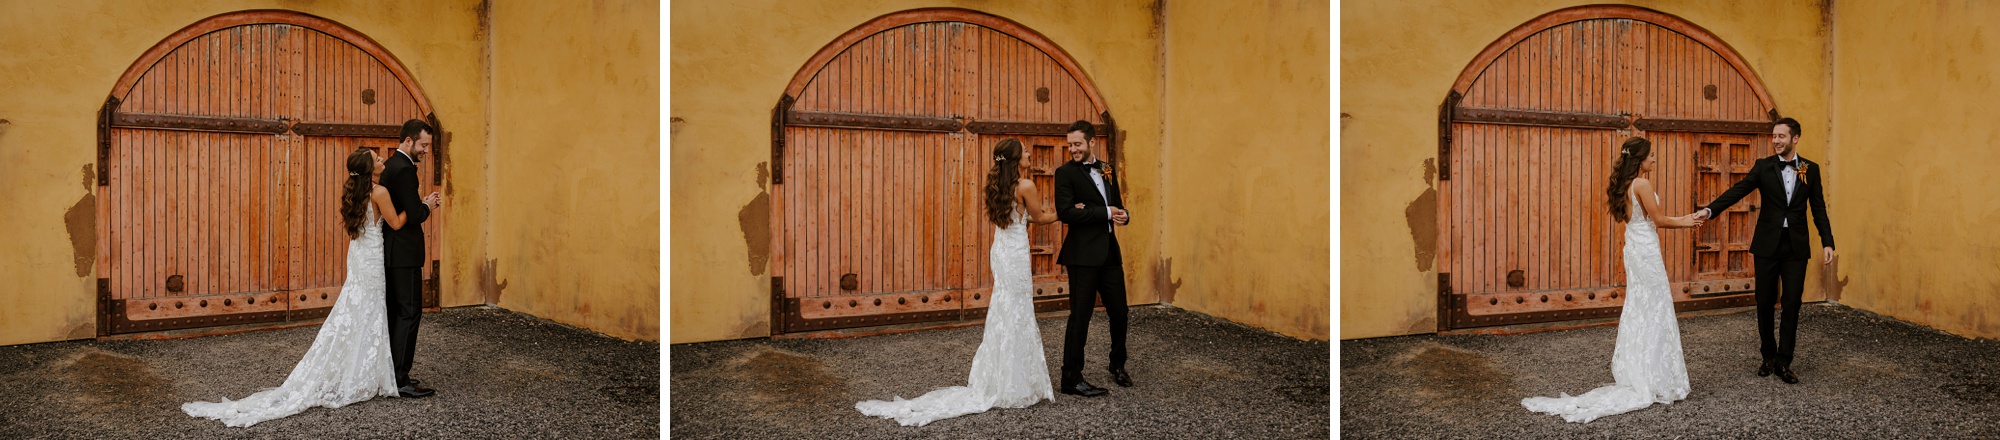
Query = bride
x=1008 y=371
x=1647 y=359
x=349 y=360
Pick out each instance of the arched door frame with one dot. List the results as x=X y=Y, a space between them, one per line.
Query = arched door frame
x=110 y=313
x=782 y=115
x=1452 y=311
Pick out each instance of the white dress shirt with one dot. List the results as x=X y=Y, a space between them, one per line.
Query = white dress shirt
x=1098 y=178
x=1791 y=176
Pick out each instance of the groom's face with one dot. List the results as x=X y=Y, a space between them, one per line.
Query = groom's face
x=1783 y=140
x=1079 y=146
x=417 y=147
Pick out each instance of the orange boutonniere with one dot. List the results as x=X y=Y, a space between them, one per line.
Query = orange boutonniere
x=1107 y=171
x=1803 y=168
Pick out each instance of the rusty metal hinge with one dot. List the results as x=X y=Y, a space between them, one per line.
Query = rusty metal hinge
x=1447 y=317
x=778 y=138
x=777 y=305
x=104 y=140
x=438 y=158
x=1445 y=111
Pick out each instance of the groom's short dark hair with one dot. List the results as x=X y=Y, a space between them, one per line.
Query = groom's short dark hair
x=1789 y=122
x=414 y=128
x=1089 y=131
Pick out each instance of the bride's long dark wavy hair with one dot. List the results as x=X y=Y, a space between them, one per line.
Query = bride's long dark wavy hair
x=1000 y=182
x=1631 y=156
x=354 y=192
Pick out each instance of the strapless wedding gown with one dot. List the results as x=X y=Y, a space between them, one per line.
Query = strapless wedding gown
x=1647 y=361
x=349 y=360
x=1008 y=371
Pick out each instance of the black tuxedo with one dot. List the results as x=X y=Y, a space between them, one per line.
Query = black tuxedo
x=403 y=255
x=1781 y=245
x=1091 y=255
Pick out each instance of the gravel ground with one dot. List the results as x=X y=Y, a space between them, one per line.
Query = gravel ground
x=1862 y=376
x=498 y=375
x=1195 y=377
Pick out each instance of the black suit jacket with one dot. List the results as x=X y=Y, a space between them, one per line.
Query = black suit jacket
x=403 y=247
x=1765 y=178
x=1089 y=240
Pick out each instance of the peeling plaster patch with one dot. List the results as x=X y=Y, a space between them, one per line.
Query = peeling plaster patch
x=674 y=128
x=490 y=285
x=1831 y=281
x=81 y=220
x=1163 y=281
x=763 y=175
x=1344 y=117
x=1421 y=215
x=755 y=219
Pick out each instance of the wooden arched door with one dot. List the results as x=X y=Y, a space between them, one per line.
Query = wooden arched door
x=220 y=159
x=1527 y=137
x=880 y=148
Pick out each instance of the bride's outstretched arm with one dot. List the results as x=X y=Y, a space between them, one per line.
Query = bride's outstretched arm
x=1031 y=200
x=1648 y=202
x=387 y=208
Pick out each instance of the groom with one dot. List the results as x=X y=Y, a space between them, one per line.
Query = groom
x=1789 y=185
x=1087 y=200
x=403 y=251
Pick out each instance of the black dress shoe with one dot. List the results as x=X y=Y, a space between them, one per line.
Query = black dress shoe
x=1119 y=377
x=1785 y=374
x=415 y=391
x=1082 y=388
x=415 y=382
x=1766 y=369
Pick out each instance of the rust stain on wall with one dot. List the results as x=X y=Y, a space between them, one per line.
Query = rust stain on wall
x=1164 y=282
x=1421 y=214
x=490 y=285
x=81 y=221
x=755 y=219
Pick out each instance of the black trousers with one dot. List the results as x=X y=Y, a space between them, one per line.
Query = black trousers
x=1086 y=284
x=1780 y=280
x=405 y=299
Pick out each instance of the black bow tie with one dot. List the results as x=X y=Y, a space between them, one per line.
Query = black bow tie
x=1789 y=163
x=1098 y=165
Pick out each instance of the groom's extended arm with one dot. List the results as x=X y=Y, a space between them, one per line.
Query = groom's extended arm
x=1817 y=201
x=1735 y=193
x=1066 y=209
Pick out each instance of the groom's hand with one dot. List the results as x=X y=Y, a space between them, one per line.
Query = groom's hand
x=1701 y=215
x=1829 y=255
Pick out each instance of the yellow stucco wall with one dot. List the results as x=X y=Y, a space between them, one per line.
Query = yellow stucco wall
x=1399 y=58
x=61 y=60
x=1914 y=116
x=1245 y=175
x=575 y=164
x=560 y=221
x=731 y=62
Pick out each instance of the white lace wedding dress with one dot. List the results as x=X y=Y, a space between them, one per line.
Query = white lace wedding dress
x=1647 y=361
x=349 y=360
x=1008 y=371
